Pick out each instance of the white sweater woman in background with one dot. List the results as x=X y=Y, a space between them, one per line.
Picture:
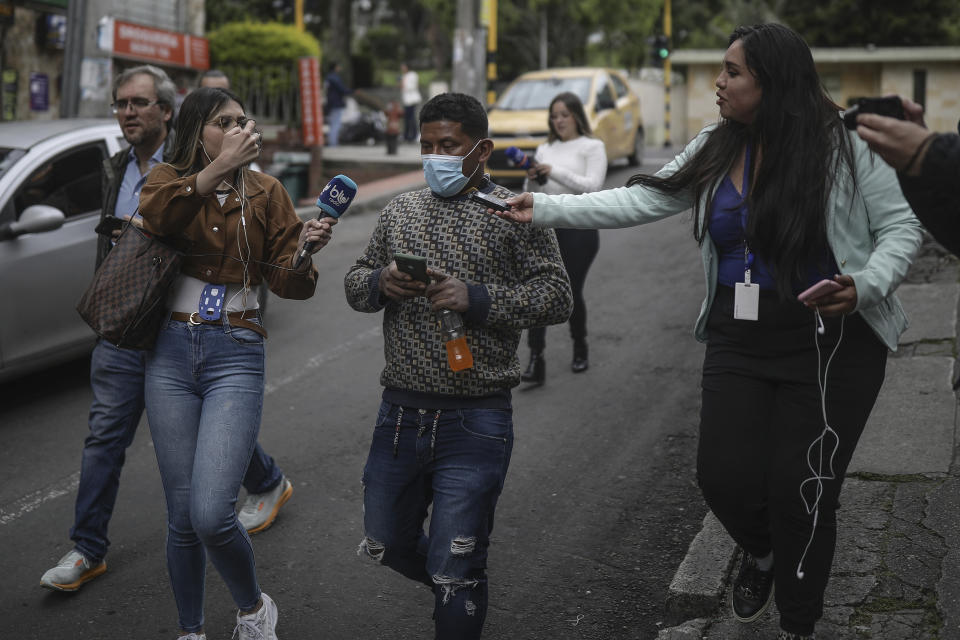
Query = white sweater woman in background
x=570 y=161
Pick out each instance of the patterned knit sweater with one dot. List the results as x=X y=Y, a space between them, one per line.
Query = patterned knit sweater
x=515 y=280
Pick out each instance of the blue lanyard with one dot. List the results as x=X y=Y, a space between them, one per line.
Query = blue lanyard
x=747 y=254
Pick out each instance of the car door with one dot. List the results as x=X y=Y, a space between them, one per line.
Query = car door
x=43 y=275
x=610 y=125
x=628 y=106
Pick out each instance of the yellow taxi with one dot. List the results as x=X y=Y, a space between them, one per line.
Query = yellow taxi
x=519 y=117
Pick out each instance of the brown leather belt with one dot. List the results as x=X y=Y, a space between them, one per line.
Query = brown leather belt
x=235 y=318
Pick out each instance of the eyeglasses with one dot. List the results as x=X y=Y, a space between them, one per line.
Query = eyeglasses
x=229 y=122
x=136 y=103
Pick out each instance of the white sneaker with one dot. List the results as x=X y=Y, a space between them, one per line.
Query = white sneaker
x=261 y=625
x=260 y=509
x=193 y=636
x=71 y=572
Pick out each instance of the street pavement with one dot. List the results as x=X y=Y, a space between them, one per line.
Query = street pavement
x=896 y=572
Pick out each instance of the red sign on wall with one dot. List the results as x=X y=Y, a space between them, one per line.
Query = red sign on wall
x=311 y=107
x=163 y=47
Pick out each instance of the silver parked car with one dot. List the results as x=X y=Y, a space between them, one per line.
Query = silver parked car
x=50 y=203
x=49 y=206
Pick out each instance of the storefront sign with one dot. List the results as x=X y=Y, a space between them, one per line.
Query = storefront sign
x=167 y=48
x=39 y=91
x=311 y=107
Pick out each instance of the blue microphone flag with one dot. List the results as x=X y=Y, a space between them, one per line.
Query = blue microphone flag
x=337 y=195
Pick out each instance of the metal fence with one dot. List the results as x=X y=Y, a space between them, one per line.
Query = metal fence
x=271 y=93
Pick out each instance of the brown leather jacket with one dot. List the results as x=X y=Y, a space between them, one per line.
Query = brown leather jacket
x=208 y=234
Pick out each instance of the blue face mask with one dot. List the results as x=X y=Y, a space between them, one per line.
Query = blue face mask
x=444 y=174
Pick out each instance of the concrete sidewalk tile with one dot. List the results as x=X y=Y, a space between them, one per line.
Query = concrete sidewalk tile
x=932 y=310
x=942 y=508
x=911 y=428
x=698 y=584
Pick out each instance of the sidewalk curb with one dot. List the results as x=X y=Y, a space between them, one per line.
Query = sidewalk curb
x=698 y=585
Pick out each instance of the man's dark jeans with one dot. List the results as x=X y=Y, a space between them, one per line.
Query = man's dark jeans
x=457 y=460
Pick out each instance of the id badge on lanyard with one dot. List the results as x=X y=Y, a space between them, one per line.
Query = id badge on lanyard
x=746 y=295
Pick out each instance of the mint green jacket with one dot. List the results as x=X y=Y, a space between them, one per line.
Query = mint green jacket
x=873 y=233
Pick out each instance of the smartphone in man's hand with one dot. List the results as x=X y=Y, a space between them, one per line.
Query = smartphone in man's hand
x=889 y=106
x=414 y=266
x=108 y=225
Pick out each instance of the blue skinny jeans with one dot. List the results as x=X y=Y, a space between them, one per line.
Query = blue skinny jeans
x=116 y=377
x=204 y=397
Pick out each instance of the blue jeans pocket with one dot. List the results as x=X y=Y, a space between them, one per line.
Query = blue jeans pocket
x=242 y=335
x=245 y=336
x=487 y=424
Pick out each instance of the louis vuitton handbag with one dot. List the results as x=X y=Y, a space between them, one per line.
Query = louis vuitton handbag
x=125 y=303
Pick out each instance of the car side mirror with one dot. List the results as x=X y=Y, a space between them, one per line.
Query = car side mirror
x=34 y=219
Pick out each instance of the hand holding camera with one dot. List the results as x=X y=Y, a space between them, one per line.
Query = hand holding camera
x=901 y=141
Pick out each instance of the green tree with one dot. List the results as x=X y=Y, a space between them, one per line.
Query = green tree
x=261 y=61
x=623 y=27
x=839 y=23
x=888 y=23
x=221 y=12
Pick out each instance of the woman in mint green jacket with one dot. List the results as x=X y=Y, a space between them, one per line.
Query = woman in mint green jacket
x=783 y=197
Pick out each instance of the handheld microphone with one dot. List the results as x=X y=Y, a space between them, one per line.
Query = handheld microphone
x=519 y=159
x=332 y=202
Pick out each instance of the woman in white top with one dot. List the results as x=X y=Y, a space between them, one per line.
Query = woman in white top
x=570 y=161
x=410 y=95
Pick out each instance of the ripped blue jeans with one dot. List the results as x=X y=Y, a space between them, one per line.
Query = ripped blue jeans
x=455 y=460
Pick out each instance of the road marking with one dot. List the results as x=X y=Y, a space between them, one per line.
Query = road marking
x=323 y=358
x=32 y=501
x=19 y=508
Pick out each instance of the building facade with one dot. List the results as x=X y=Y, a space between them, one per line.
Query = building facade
x=928 y=75
x=52 y=67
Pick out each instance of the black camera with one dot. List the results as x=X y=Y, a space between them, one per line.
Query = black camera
x=889 y=106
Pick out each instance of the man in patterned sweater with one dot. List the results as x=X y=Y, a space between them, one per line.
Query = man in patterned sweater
x=445 y=436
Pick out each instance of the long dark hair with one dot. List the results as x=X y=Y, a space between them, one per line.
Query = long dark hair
x=572 y=102
x=804 y=147
x=197 y=109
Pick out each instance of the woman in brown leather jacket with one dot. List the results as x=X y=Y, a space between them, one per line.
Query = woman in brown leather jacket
x=205 y=377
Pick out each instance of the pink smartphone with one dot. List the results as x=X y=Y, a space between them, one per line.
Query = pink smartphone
x=823 y=287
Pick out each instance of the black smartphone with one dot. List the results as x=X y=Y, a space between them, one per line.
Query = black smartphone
x=489 y=201
x=414 y=266
x=109 y=224
x=889 y=106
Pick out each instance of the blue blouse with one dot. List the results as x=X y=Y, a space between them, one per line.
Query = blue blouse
x=727 y=222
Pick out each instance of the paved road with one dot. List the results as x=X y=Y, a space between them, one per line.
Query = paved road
x=599 y=507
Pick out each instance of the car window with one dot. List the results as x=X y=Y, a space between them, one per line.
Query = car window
x=604 y=93
x=537 y=94
x=70 y=182
x=619 y=86
x=8 y=157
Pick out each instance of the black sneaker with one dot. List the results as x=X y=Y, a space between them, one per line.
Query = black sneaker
x=752 y=590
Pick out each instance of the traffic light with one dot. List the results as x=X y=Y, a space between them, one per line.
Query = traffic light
x=659 y=49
